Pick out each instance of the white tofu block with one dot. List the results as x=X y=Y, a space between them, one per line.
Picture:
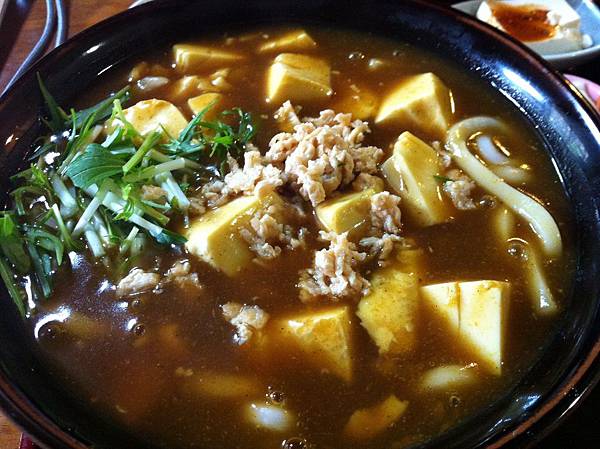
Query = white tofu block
x=476 y=313
x=222 y=386
x=359 y=101
x=269 y=417
x=443 y=300
x=215 y=236
x=420 y=103
x=298 y=78
x=190 y=57
x=448 y=377
x=411 y=171
x=187 y=86
x=292 y=41
x=150 y=115
x=349 y=212
x=367 y=423
x=483 y=307
x=324 y=337
x=200 y=102
x=389 y=312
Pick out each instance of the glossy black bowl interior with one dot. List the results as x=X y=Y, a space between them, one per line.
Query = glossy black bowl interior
x=568 y=366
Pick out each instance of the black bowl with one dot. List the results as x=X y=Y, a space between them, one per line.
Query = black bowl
x=568 y=367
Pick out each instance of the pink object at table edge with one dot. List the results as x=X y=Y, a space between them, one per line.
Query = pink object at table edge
x=588 y=88
x=26 y=443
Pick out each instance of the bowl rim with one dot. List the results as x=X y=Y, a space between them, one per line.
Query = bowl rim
x=561 y=401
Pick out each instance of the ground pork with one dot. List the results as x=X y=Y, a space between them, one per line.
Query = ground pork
x=460 y=189
x=197 y=206
x=322 y=153
x=380 y=247
x=266 y=234
x=180 y=274
x=264 y=231
x=334 y=272
x=385 y=213
x=137 y=281
x=254 y=177
x=153 y=193
x=246 y=320
x=287 y=116
x=215 y=193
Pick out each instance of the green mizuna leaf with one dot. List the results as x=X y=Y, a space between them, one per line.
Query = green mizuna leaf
x=93 y=166
x=11 y=243
x=103 y=109
x=170 y=238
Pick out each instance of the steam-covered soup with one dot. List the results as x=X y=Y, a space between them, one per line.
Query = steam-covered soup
x=291 y=238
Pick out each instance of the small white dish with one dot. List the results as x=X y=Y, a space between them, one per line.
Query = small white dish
x=590 y=24
x=138 y=3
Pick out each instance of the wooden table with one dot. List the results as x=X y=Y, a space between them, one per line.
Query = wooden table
x=25 y=19
x=20 y=30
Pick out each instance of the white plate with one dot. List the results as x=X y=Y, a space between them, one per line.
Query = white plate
x=590 y=24
x=139 y=2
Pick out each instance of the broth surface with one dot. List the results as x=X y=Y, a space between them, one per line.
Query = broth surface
x=135 y=360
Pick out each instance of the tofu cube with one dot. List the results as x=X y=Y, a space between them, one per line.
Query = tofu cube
x=421 y=103
x=443 y=301
x=221 y=386
x=411 y=171
x=447 y=378
x=360 y=102
x=483 y=314
x=347 y=212
x=389 y=311
x=269 y=417
x=410 y=260
x=200 y=102
x=298 y=78
x=324 y=337
x=476 y=313
x=367 y=423
x=190 y=57
x=188 y=86
x=150 y=115
x=293 y=41
x=215 y=236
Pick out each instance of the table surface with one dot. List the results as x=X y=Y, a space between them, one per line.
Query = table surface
x=20 y=29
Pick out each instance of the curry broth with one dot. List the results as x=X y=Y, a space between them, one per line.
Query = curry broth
x=128 y=358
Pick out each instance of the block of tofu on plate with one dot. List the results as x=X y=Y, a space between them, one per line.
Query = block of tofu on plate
x=295 y=40
x=389 y=312
x=412 y=171
x=153 y=115
x=215 y=236
x=547 y=26
x=191 y=57
x=367 y=423
x=348 y=212
x=324 y=337
x=420 y=103
x=476 y=312
x=298 y=78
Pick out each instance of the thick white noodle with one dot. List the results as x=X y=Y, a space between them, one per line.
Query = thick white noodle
x=489 y=151
x=512 y=175
x=537 y=216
